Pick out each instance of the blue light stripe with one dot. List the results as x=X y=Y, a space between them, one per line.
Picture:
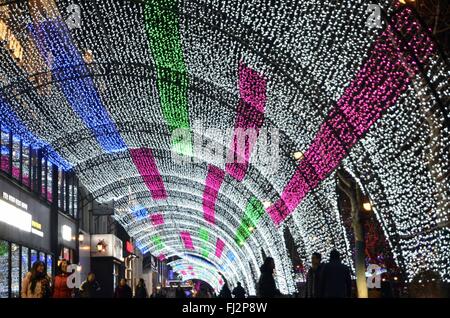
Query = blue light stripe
x=53 y=39
x=15 y=125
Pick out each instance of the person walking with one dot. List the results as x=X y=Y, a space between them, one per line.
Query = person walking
x=266 y=285
x=141 y=289
x=335 y=281
x=60 y=288
x=179 y=292
x=154 y=293
x=225 y=292
x=313 y=276
x=90 y=288
x=36 y=283
x=123 y=290
x=239 y=291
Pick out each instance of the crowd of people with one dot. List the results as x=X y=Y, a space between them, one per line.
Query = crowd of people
x=330 y=280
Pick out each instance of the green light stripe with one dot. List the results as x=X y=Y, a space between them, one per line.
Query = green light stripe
x=204 y=236
x=158 y=242
x=253 y=212
x=163 y=32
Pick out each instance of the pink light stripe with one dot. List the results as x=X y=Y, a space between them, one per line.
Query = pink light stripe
x=249 y=116
x=219 y=247
x=146 y=165
x=214 y=180
x=157 y=219
x=377 y=86
x=187 y=241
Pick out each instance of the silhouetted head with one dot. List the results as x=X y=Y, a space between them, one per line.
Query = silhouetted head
x=269 y=265
x=123 y=282
x=316 y=259
x=335 y=256
x=239 y=284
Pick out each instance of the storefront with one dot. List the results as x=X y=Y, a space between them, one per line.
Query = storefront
x=24 y=236
x=67 y=232
x=107 y=262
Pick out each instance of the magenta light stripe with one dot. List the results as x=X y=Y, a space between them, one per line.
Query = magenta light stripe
x=377 y=86
x=146 y=165
x=187 y=241
x=162 y=257
x=157 y=219
x=249 y=120
x=219 y=247
x=214 y=180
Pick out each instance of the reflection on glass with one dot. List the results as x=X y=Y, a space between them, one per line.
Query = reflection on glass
x=49 y=265
x=49 y=181
x=25 y=265
x=42 y=257
x=4 y=268
x=15 y=270
x=34 y=257
x=16 y=158
x=4 y=165
x=43 y=177
x=26 y=164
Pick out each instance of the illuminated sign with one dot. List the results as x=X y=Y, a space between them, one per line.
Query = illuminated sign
x=15 y=217
x=66 y=233
x=36 y=225
x=113 y=246
x=129 y=247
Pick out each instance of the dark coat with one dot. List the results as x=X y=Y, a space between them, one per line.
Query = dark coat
x=141 y=292
x=335 y=281
x=312 y=282
x=225 y=292
x=266 y=285
x=123 y=292
x=239 y=292
x=90 y=289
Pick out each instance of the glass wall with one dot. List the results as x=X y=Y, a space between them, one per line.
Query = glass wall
x=4 y=139
x=16 y=173
x=15 y=262
x=15 y=271
x=30 y=167
x=26 y=164
x=4 y=264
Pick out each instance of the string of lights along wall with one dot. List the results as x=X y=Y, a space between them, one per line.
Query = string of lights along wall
x=117 y=96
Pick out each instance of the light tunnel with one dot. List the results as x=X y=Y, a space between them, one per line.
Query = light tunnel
x=322 y=94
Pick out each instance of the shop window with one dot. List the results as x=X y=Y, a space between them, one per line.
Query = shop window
x=26 y=165
x=49 y=265
x=34 y=257
x=4 y=269
x=25 y=262
x=61 y=190
x=49 y=181
x=44 y=177
x=5 y=149
x=34 y=169
x=15 y=271
x=16 y=158
x=42 y=257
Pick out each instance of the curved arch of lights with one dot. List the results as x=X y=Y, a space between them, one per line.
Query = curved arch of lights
x=301 y=65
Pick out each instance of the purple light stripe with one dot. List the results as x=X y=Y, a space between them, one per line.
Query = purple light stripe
x=157 y=219
x=187 y=241
x=219 y=247
x=249 y=116
x=146 y=165
x=214 y=180
x=377 y=86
